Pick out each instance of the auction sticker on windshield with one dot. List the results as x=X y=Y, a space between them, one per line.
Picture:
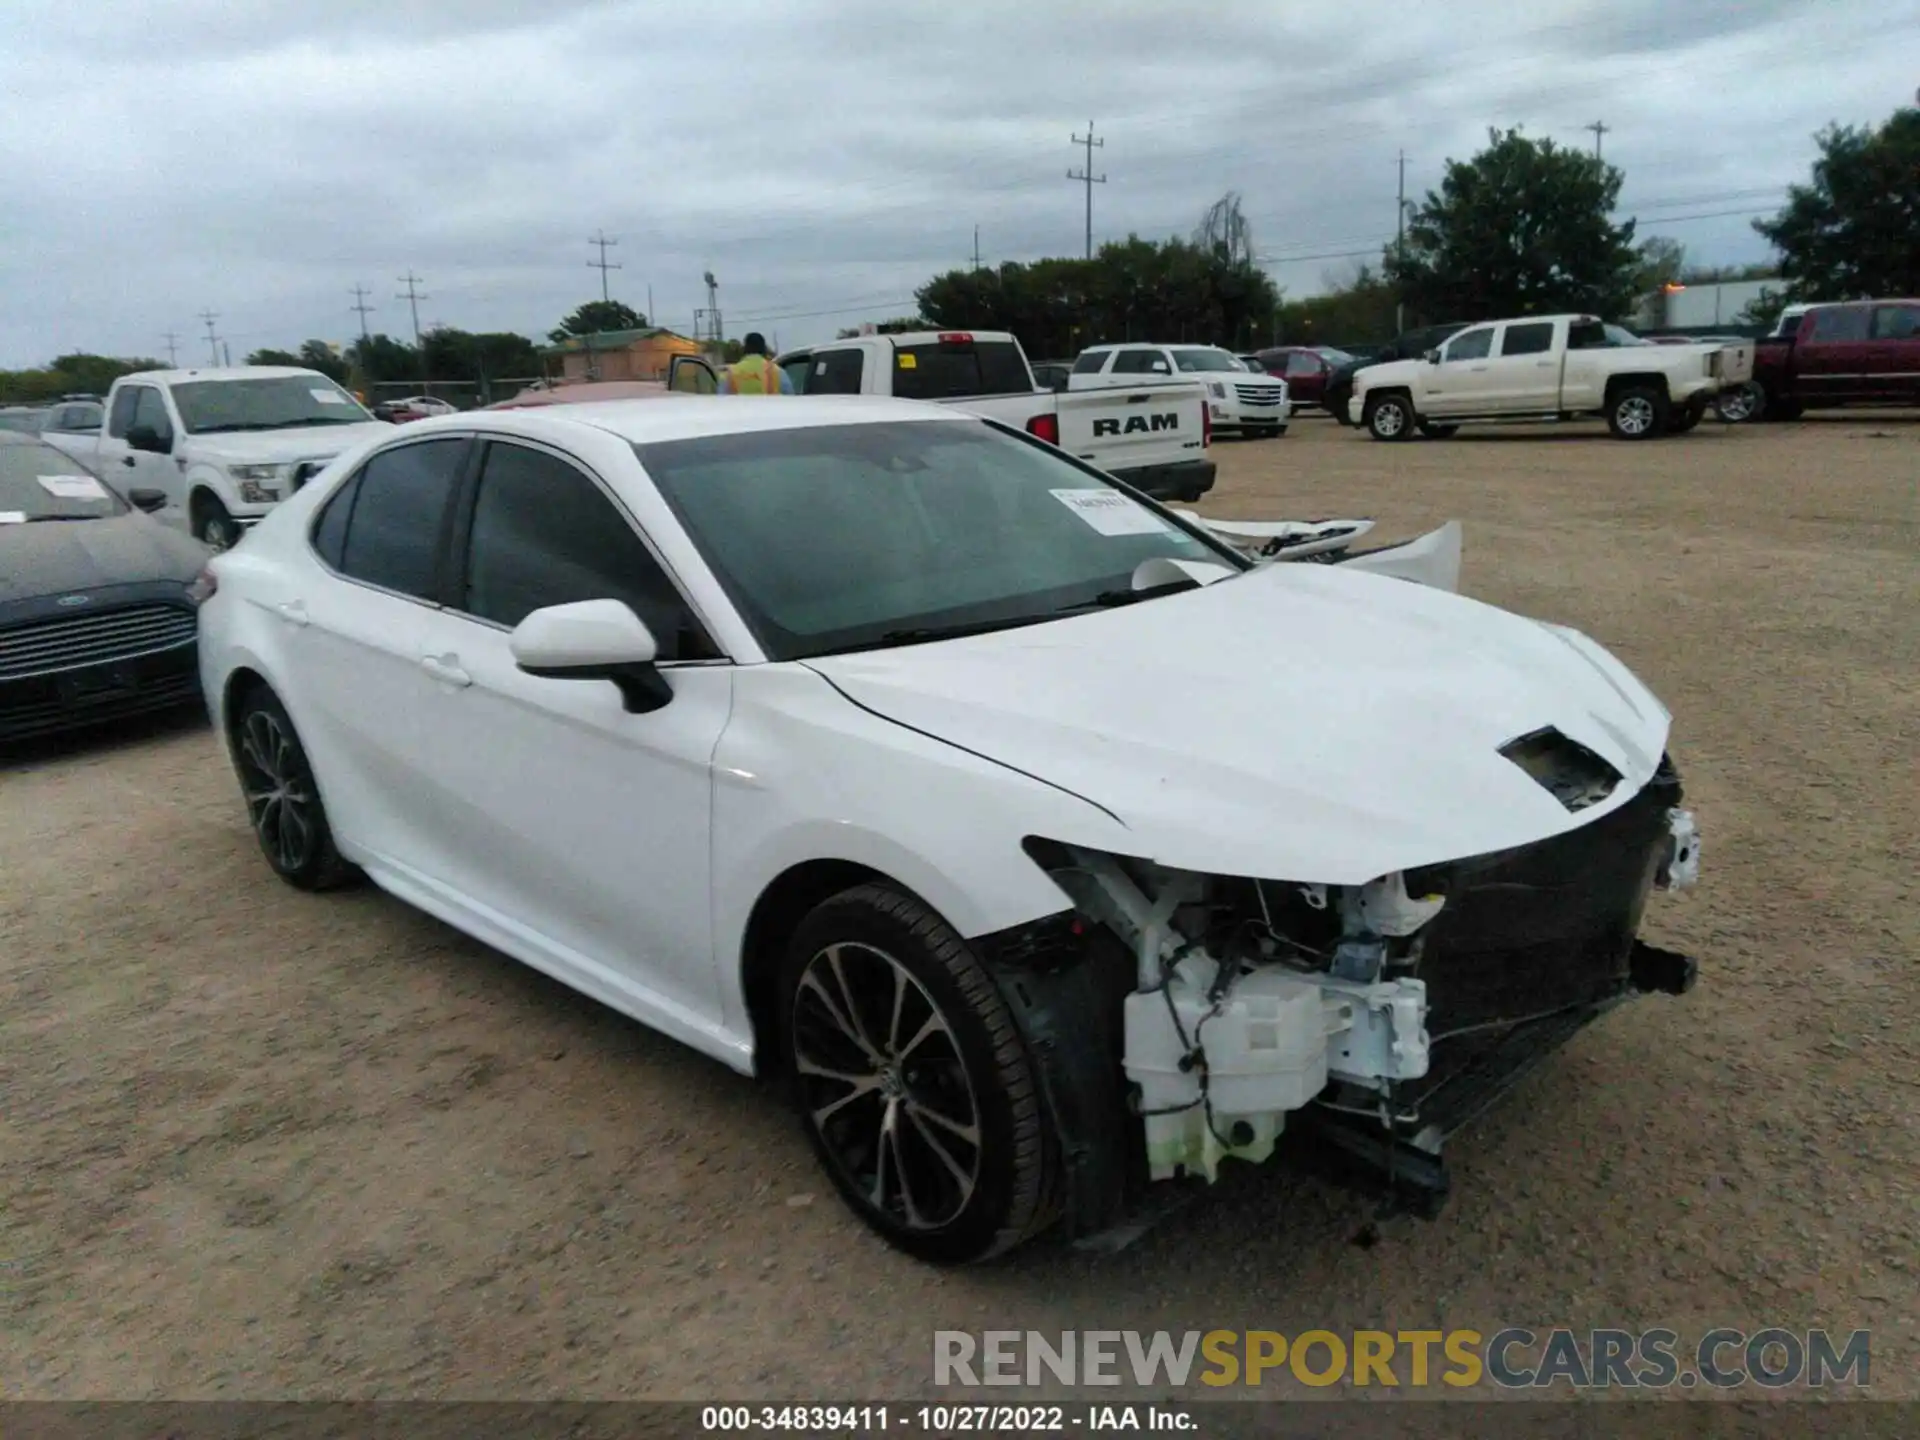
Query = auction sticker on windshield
x=328 y=397
x=1111 y=513
x=72 y=487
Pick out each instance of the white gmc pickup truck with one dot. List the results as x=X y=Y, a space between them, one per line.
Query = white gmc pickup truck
x=1547 y=367
x=1154 y=435
x=224 y=445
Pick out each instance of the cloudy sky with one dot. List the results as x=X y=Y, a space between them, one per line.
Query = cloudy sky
x=824 y=157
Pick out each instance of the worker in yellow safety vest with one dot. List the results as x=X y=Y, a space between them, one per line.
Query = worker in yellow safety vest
x=754 y=373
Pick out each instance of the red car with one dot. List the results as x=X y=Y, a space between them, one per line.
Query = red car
x=1305 y=368
x=1860 y=352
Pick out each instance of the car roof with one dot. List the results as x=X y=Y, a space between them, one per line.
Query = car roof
x=224 y=372
x=680 y=416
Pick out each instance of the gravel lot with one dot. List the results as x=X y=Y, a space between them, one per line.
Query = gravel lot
x=259 y=1143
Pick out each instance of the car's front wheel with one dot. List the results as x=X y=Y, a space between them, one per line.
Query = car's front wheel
x=212 y=525
x=1389 y=417
x=283 y=802
x=912 y=1081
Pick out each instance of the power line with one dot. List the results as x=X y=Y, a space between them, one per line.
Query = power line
x=213 y=342
x=1088 y=177
x=1599 y=128
x=173 y=354
x=413 y=299
x=360 y=293
x=603 y=265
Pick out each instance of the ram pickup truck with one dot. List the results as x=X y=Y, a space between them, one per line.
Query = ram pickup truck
x=1547 y=367
x=1153 y=434
x=1863 y=352
x=224 y=445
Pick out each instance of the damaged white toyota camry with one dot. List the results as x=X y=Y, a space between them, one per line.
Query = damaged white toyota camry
x=1044 y=842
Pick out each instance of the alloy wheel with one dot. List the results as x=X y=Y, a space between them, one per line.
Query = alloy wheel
x=1635 y=415
x=885 y=1087
x=279 y=793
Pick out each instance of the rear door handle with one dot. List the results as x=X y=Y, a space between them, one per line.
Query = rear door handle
x=294 y=612
x=127 y=460
x=446 y=669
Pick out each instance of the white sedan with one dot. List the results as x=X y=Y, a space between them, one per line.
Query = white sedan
x=1039 y=841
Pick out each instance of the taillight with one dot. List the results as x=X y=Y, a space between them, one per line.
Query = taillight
x=202 y=587
x=1206 y=423
x=1045 y=427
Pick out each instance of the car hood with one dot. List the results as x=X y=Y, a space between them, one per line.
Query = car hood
x=1389 y=372
x=55 y=558
x=270 y=447
x=1298 y=722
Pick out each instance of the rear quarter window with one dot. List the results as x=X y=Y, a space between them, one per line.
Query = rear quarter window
x=955 y=371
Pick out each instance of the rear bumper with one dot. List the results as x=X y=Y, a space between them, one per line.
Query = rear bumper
x=1182 y=480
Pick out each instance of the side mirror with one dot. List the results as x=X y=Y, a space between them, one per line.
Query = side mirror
x=593 y=640
x=1433 y=357
x=145 y=437
x=148 y=500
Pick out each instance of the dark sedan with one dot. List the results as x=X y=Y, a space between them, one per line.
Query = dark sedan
x=97 y=600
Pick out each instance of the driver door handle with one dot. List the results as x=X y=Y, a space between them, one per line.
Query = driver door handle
x=294 y=612
x=128 y=461
x=446 y=669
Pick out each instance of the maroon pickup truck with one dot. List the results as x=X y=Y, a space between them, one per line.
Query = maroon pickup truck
x=1862 y=352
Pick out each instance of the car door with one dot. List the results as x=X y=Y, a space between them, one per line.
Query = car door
x=1457 y=385
x=1835 y=355
x=1896 y=352
x=691 y=375
x=1306 y=377
x=353 y=634
x=140 y=414
x=582 y=825
x=1523 y=373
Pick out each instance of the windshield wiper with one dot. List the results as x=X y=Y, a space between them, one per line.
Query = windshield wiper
x=36 y=519
x=919 y=634
x=1109 y=599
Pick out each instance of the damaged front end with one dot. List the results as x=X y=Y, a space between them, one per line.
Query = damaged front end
x=1180 y=1018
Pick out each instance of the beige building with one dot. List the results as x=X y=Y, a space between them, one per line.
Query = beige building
x=617 y=355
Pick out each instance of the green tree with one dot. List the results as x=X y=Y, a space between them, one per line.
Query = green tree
x=380 y=358
x=321 y=356
x=1522 y=228
x=597 y=316
x=1356 y=311
x=1853 y=231
x=274 y=357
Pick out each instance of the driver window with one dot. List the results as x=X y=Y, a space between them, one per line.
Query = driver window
x=1471 y=345
x=150 y=410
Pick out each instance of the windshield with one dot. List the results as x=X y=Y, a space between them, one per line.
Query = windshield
x=38 y=482
x=280 y=402
x=1204 y=360
x=25 y=422
x=1617 y=336
x=1335 y=358
x=843 y=537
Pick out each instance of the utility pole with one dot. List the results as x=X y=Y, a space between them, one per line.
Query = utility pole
x=976 y=247
x=1599 y=128
x=226 y=353
x=213 y=343
x=360 y=293
x=651 y=319
x=413 y=299
x=173 y=355
x=603 y=265
x=1088 y=177
x=1399 y=237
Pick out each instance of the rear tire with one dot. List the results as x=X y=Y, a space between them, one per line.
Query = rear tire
x=283 y=800
x=1638 y=412
x=912 y=1082
x=1682 y=421
x=1389 y=417
x=1742 y=406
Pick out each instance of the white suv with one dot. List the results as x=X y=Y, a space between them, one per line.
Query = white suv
x=1237 y=400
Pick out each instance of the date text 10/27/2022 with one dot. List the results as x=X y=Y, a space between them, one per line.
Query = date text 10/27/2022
x=945 y=1419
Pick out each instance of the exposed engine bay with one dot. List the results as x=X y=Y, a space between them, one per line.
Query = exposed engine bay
x=1381 y=1017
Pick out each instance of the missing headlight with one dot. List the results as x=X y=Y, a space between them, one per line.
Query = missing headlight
x=1565 y=768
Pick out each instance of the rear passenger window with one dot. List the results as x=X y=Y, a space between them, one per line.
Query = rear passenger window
x=330 y=530
x=544 y=534
x=958 y=369
x=1843 y=322
x=1896 y=322
x=1534 y=339
x=1091 y=363
x=1141 y=362
x=399 y=507
x=1300 y=363
x=835 y=372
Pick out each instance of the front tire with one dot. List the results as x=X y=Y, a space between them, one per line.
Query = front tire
x=283 y=801
x=212 y=525
x=1638 y=412
x=912 y=1082
x=1389 y=417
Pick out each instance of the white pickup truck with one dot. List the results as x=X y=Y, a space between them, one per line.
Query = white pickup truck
x=1240 y=401
x=1547 y=367
x=1154 y=435
x=223 y=445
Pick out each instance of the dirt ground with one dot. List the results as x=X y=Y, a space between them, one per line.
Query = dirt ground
x=259 y=1143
